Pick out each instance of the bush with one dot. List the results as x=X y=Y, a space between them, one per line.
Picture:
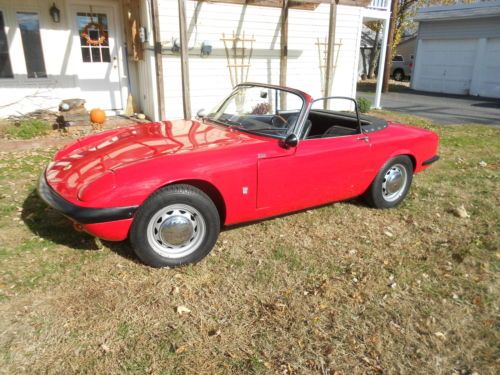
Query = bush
x=27 y=129
x=364 y=105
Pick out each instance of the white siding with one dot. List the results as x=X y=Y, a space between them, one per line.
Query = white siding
x=21 y=94
x=209 y=76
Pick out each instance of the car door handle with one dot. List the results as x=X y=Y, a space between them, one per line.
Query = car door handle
x=364 y=138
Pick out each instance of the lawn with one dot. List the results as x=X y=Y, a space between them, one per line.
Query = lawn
x=342 y=289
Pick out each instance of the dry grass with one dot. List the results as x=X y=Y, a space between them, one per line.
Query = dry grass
x=341 y=289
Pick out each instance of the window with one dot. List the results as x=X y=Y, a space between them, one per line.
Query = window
x=98 y=30
x=397 y=58
x=29 y=26
x=5 y=66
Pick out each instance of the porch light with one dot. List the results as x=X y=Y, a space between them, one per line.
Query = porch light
x=55 y=13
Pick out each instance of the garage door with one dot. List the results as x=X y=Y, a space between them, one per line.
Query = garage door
x=445 y=65
x=489 y=81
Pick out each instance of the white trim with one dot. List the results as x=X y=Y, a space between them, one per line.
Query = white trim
x=381 y=66
x=118 y=31
x=416 y=64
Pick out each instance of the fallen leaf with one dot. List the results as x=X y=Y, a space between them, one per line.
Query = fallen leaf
x=440 y=335
x=461 y=212
x=180 y=349
x=182 y=310
x=214 y=332
x=387 y=233
x=105 y=348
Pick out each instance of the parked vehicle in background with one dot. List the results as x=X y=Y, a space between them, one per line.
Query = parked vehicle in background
x=401 y=69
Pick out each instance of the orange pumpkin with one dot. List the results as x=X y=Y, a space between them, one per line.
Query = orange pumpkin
x=97 y=116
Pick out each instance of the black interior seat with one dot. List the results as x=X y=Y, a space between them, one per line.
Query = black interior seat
x=338 y=131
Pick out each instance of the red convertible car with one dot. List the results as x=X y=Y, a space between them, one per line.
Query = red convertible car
x=264 y=151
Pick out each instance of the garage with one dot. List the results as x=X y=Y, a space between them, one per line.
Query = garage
x=458 y=50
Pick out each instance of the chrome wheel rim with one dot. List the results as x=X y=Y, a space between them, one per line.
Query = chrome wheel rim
x=394 y=183
x=176 y=230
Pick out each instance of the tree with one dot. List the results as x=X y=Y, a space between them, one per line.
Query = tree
x=375 y=26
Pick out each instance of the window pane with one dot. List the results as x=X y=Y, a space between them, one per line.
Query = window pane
x=32 y=44
x=86 y=54
x=5 y=67
x=96 y=55
x=105 y=55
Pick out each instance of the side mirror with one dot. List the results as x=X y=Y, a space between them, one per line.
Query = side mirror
x=291 y=141
x=201 y=113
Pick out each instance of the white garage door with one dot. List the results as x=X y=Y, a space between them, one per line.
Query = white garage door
x=489 y=81
x=445 y=65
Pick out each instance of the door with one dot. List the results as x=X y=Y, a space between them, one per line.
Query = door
x=446 y=65
x=96 y=55
x=319 y=171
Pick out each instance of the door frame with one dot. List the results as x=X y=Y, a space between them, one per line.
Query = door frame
x=120 y=52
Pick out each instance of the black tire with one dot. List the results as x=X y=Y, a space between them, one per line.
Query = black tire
x=398 y=75
x=384 y=191
x=175 y=213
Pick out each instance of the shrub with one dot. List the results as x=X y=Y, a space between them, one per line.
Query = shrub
x=27 y=129
x=364 y=105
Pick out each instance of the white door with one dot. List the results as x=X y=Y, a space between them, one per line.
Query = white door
x=489 y=81
x=96 y=55
x=445 y=65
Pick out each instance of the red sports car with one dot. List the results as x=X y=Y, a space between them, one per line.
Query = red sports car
x=264 y=151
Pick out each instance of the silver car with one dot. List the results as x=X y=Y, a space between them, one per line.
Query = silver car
x=401 y=69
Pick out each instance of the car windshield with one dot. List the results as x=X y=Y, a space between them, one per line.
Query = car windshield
x=256 y=109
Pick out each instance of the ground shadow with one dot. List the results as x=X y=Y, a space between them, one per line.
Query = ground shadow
x=492 y=104
x=49 y=224
x=357 y=201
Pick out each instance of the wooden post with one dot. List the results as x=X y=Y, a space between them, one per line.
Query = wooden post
x=390 y=41
x=330 y=50
x=284 y=50
x=186 y=99
x=158 y=58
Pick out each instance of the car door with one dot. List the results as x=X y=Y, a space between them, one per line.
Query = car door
x=318 y=171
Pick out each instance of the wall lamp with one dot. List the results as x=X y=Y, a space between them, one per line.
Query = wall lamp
x=55 y=13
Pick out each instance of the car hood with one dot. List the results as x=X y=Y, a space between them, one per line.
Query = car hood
x=95 y=156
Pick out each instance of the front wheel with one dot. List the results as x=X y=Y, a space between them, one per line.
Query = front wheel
x=392 y=183
x=178 y=224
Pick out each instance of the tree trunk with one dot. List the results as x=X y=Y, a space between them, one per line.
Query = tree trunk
x=374 y=55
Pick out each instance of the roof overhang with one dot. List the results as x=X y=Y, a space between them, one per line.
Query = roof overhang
x=459 y=11
x=292 y=4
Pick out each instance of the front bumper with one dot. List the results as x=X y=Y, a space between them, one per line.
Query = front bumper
x=83 y=215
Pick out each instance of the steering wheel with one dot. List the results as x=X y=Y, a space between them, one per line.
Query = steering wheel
x=279 y=121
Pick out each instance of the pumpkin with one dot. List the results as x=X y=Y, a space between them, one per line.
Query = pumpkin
x=97 y=116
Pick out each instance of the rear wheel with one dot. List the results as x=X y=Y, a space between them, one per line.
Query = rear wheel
x=178 y=224
x=392 y=183
x=398 y=75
